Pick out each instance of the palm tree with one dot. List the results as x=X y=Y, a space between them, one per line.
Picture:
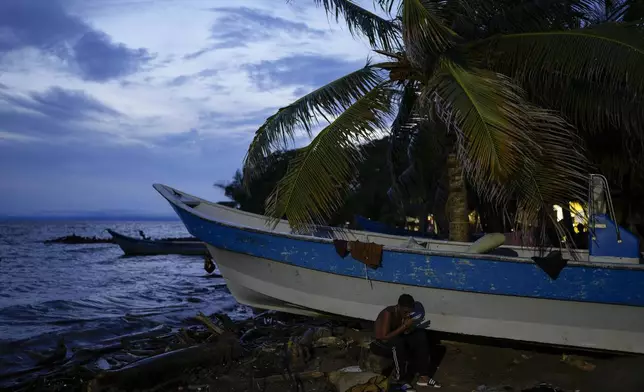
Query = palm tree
x=250 y=195
x=506 y=84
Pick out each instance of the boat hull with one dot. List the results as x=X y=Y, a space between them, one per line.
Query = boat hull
x=269 y=284
x=589 y=305
x=139 y=247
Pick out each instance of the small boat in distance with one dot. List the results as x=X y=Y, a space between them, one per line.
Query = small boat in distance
x=147 y=247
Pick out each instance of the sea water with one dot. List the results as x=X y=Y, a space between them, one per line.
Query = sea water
x=91 y=294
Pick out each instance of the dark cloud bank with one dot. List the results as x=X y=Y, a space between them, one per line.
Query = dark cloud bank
x=47 y=26
x=52 y=113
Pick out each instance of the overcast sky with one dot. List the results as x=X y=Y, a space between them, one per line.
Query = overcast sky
x=101 y=98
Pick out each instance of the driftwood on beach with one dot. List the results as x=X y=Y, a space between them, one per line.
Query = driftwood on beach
x=167 y=366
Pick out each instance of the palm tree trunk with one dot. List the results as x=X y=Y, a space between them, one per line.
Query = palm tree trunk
x=422 y=219
x=457 y=201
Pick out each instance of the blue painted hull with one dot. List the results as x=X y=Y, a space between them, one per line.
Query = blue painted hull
x=614 y=284
x=590 y=305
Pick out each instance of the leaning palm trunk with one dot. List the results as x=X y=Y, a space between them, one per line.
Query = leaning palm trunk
x=457 y=201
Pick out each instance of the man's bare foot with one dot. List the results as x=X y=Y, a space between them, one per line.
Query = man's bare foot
x=424 y=381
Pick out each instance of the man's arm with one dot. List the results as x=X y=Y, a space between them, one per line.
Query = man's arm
x=382 y=327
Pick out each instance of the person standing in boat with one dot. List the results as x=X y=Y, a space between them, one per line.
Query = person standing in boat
x=398 y=338
x=142 y=234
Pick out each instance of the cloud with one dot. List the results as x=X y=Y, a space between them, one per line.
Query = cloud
x=67 y=142
x=49 y=28
x=183 y=79
x=188 y=138
x=61 y=104
x=56 y=111
x=300 y=70
x=40 y=24
x=238 y=127
x=14 y=137
x=237 y=27
x=99 y=59
x=179 y=81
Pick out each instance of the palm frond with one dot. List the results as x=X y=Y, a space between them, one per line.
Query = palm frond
x=387 y=5
x=611 y=55
x=427 y=151
x=610 y=11
x=403 y=128
x=401 y=70
x=305 y=113
x=424 y=33
x=508 y=147
x=380 y=32
x=587 y=105
x=476 y=19
x=556 y=175
x=501 y=17
x=635 y=11
x=315 y=183
x=488 y=113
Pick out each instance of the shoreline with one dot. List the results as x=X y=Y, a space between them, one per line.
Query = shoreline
x=275 y=351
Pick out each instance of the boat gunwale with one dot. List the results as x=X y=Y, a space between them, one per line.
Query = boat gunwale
x=166 y=192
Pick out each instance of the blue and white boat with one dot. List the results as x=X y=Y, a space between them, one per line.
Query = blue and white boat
x=594 y=302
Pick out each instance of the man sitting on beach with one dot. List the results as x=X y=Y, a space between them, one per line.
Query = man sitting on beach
x=397 y=338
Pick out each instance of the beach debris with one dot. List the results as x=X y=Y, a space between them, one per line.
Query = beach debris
x=543 y=387
x=269 y=317
x=227 y=322
x=102 y=364
x=485 y=388
x=209 y=324
x=272 y=353
x=351 y=369
x=300 y=349
x=58 y=354
x=346 y=381
x=578 y=362
x=284 y=377
x=375 y=363
x=185 y=338
x=330 y=341
x=168 y=366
